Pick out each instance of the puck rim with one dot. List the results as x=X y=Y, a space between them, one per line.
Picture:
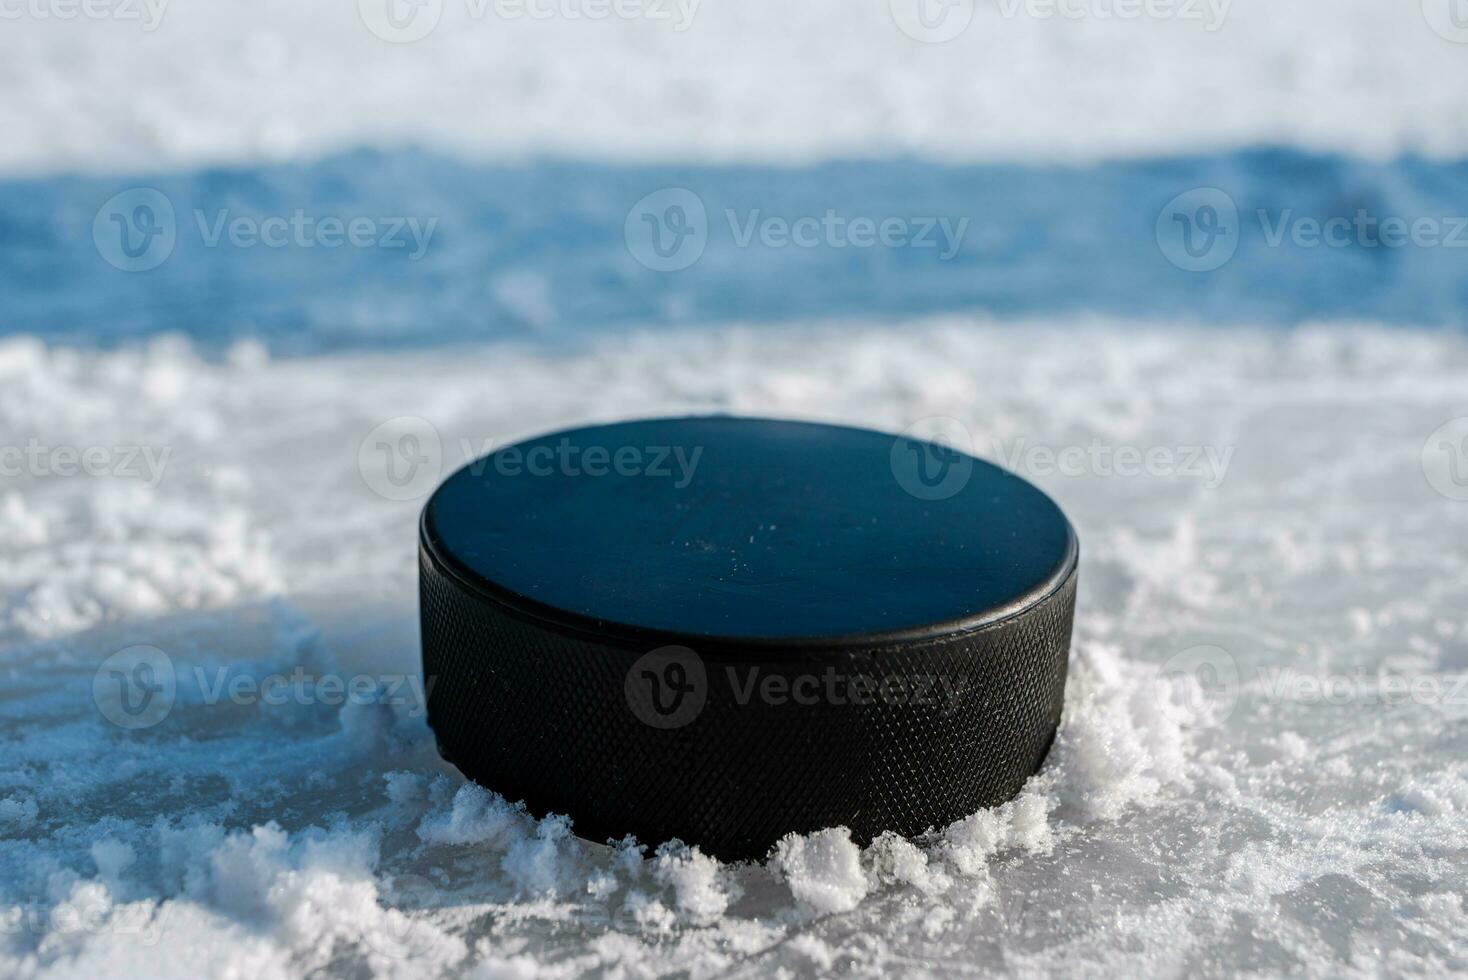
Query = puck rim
x=571 y=623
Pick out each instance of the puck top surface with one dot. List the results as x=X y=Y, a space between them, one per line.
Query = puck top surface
x=748 y=530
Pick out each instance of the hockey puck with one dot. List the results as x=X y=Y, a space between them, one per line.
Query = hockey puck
x=725 y=630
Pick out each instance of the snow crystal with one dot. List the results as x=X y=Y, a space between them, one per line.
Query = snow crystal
x=823 y=869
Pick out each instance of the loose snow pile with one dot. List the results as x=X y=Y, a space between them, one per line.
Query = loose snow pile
x=1204 y=807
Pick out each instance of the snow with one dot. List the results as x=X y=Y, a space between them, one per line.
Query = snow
x=288 y=812
x=764 y=80
x=1263 y=763
x=823 y=870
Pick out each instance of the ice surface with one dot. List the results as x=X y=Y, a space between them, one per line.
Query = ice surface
x=748 y=80
x=1263 y=766
x=538 y=250
x=1184 y=823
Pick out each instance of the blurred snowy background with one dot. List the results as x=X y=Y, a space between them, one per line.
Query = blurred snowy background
x=1198 y=268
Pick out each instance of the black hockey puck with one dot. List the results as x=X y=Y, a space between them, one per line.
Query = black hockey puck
x=724 y=630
